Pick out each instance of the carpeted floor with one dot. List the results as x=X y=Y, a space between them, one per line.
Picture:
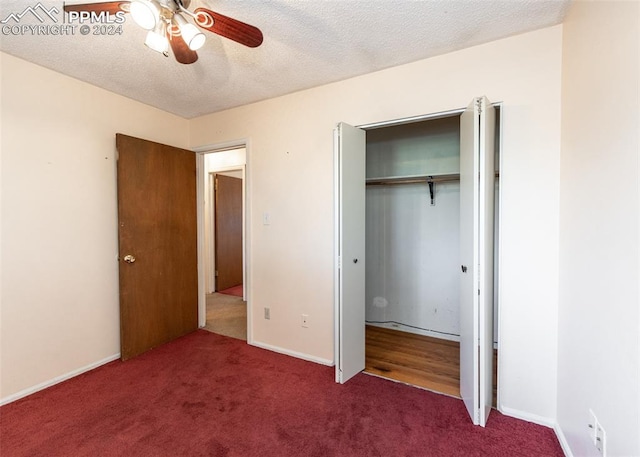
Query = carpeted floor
x=237 y=291
x=227 y=315
x=209 y=395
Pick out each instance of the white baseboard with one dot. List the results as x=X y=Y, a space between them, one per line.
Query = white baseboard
x=297 y=355
x=564 y=444
x=544 y=421
x=417 y=331
x=534 y=418
x=57 y=380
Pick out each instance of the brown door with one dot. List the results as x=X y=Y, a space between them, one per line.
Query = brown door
x=157 y=244
x=228 y=231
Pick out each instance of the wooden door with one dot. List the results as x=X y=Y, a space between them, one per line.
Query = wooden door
x=157 y=244
x=477 y=180
x=228 y=231
x=350 y=153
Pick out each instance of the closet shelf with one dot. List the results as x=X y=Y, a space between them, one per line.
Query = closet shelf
x=413 y=179
x=427 y=179
x=390 y=180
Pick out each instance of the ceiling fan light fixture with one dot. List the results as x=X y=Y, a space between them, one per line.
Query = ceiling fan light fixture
x=146 y=13
x=191 y=35
x=157 y=38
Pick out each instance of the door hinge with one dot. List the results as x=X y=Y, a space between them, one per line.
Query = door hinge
x=479 y=105
x=215 y=185
x=216 y=272
x=339 y=262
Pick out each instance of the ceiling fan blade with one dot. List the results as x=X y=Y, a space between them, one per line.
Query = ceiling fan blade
x=227 y=27
x=109 y=7
x=180 y=49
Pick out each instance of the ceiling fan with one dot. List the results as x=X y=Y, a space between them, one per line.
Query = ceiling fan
x=167 y=26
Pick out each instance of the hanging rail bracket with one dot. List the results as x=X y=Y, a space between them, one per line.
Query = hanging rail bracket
x=429 y=179
x=432 y=190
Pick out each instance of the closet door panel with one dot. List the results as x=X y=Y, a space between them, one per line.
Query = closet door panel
x=477 y=180
x=486 y=255
x=469 y=368
x=350 y=151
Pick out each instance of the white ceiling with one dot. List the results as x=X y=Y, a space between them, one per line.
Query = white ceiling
x=306 y=44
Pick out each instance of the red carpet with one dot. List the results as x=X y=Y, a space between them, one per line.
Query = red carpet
x=209 y=395
x=235 y=290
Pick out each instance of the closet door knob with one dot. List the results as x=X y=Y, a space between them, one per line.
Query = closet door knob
x=464 y=269
x=355 y=260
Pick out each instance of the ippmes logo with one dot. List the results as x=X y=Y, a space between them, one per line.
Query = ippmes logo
x=94 y=17
x=39 y=20
x=43 y=14
x=38 y=11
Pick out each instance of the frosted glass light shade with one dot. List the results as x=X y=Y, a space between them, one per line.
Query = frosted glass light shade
x=157 y=38
x=145 y=13
x=191 y=35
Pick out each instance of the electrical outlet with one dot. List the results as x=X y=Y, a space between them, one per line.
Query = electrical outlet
x=305 y=320
x=267 y=313
x=601 y=439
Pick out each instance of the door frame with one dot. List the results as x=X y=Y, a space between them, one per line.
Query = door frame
x=246 y=223
x=497 y=243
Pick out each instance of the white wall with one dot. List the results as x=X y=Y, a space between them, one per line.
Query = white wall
x=290 y=162
x=413 y=258
x=599 y=320
x=59 y=230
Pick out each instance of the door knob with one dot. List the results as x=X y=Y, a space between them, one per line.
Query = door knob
x=129 y=258
x=355 y=260
x=464 y=268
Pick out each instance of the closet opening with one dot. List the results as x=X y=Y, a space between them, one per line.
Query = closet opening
x=412 y=246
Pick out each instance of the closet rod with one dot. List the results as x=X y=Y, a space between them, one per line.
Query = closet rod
x=413 y=179
x=416 y=179
x=428 y=179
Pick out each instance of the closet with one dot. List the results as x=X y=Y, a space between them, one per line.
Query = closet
x=412 y=242
x=423 y=196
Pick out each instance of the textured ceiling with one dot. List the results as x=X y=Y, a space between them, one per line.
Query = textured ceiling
x=306 y=44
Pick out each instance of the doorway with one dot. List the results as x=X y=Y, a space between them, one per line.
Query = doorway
x=413 y=254
x=429 y=251
x=223 y=307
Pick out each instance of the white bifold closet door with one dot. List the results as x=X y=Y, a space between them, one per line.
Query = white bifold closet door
x=477 y=177
x=349 y=154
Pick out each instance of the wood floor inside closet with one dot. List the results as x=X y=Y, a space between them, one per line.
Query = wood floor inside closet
x=422 y=361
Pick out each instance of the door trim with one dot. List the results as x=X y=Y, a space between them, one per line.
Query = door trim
x=412 y=119
x=201 y=151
